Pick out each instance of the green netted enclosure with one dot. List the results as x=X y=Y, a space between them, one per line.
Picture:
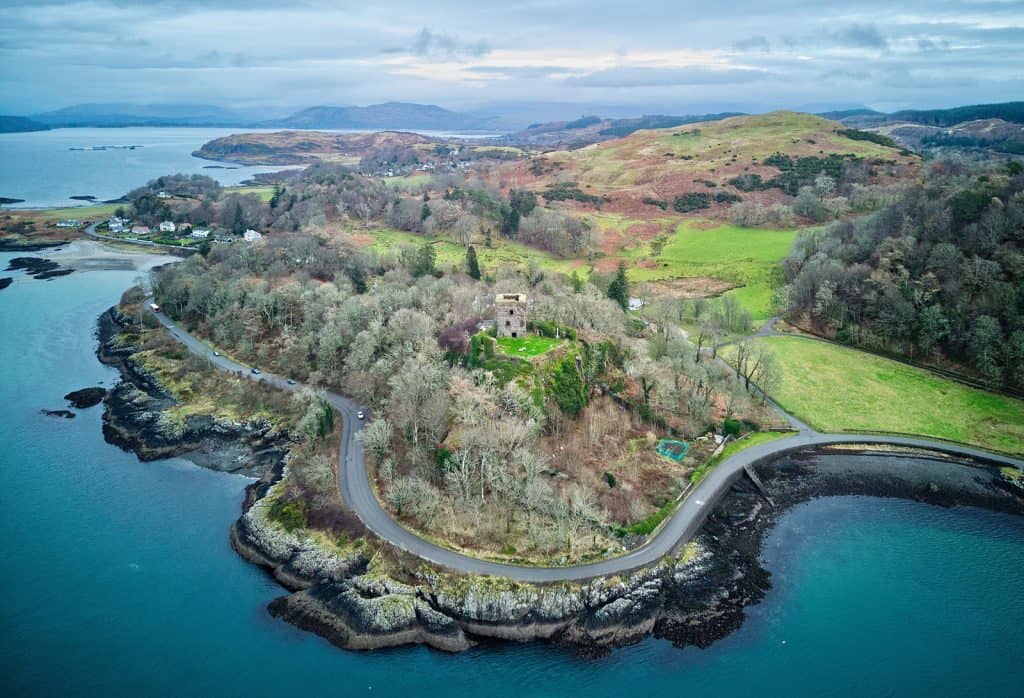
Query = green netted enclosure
x=676 y=450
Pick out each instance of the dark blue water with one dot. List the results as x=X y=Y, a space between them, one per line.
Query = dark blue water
x=116 y=577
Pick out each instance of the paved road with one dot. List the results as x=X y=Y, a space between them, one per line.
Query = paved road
x=358 y=495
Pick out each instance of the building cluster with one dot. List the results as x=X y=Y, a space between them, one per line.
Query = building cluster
x=123 y=226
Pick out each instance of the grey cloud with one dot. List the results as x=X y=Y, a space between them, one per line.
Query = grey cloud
x=653 y=77
x=754 y=43
x=846 y=75
x=861 y=36
x=428 y=42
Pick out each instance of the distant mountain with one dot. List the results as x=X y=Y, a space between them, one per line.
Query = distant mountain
x=390 y=115
x=118 y=114
x=19 y=124
x=1012 y=112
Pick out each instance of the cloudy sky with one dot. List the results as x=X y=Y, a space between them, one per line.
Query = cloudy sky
x=677 y=56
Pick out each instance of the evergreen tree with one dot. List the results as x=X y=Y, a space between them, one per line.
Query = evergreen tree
x=275 y=200
x=472 y=266
x=238 y=225
x=577 y=281
x=618 y=289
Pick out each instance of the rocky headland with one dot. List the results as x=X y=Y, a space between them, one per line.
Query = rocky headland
x=134 y=413
x=362 y=594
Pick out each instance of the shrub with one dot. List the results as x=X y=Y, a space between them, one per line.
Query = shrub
x=610 y=479
x=289 y=514
x=732 y=427
x=693 y=201
x=660 y=203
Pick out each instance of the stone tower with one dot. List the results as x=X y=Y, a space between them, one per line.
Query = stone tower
x=510 y=314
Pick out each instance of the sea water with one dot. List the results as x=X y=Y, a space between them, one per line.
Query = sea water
x=116 y=577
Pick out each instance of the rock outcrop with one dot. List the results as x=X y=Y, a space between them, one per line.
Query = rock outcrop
x=135 y=417
x=695 y=598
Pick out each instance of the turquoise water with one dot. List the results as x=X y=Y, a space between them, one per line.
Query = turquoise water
x=116 y=577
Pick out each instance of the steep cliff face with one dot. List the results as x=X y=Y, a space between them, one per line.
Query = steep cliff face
x=134 y=413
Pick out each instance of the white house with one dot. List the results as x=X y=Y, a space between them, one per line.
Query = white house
x=200 y=233
x=163 y=195
x=167 y=227
x=251 y=236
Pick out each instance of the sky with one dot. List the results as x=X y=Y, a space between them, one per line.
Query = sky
x=642 y=57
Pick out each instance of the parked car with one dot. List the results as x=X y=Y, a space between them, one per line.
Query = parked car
x=291 y=381
x=216 y=353
x=256 y=370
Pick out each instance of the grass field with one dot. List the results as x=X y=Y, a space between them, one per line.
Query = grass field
x=527 y=346
x=835 y=389
x=746 y=256
x=451 y=253
x=266 y=193
x=82 y=213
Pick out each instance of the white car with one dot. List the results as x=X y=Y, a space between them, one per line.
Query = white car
x=360 y=415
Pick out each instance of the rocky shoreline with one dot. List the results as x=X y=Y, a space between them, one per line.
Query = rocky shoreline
x=134 y=410
x=695 y=597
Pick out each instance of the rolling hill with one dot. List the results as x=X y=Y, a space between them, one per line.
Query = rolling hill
x=650 y=169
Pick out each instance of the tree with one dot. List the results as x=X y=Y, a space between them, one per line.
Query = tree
x=472 y=266
x=618 y=289
x=576 y=280
x=985 y=347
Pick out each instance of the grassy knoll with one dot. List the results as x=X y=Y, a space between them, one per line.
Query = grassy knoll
x=835 y=388
x=745 y=256
x=527 y=346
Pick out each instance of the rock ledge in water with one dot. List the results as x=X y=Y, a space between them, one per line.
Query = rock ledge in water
x=86 y=397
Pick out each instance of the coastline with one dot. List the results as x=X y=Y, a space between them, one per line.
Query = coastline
x=692 y=598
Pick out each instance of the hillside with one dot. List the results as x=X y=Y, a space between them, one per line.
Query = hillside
x=593 y=129
x=991 y=134
x=1007 y=111
x=390 y=115
x=711 y=165
x=304 y=147
x=19 y=124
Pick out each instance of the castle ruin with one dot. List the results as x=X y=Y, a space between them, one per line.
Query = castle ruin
x=510 y=314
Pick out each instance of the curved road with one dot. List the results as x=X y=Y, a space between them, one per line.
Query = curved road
x=680 y=528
